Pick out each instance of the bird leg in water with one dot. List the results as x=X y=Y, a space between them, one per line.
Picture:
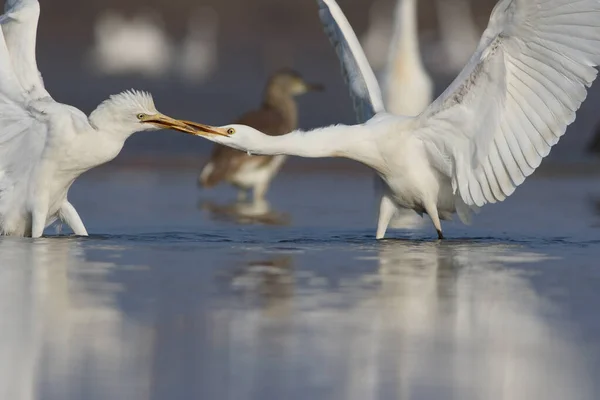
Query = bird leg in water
x=39 y=216
x=387 y=209
x=432 y=211
x=69 y=216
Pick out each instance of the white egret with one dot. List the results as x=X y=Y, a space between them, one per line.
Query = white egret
x=131 y=45
x=483 y=136
x=46 y=145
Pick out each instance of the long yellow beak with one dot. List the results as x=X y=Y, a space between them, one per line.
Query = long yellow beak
x=163 y=121
x=205 y=130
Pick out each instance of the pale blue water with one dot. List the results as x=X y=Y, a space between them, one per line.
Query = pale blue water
x=176 y=295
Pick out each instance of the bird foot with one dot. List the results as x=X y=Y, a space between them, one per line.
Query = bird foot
x=440 y=235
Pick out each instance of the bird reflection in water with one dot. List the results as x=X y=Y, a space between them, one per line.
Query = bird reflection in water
x=270 y=279
x=410 y=320
x=430 y=320
x=245 y=212
x=61 y=330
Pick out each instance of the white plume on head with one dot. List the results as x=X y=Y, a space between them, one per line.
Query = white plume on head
x=136 y=100
x=120 y=110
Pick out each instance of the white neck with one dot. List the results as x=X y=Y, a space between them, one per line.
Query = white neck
x=405 y=43
x=107 y=123
x=355 y=142
x=91 y=149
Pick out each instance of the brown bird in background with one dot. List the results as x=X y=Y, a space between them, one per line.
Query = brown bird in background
x=277 y=115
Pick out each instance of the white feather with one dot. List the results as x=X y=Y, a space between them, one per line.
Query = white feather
x=19 y=26
x=357 y=72
x=515 y=98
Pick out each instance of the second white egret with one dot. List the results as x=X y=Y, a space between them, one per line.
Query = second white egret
x=483 y=136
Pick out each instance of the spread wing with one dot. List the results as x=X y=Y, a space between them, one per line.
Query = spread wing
x=19 y=26
x=22 y=141
x=22 y=136
x=358 y=74
x=515 y=98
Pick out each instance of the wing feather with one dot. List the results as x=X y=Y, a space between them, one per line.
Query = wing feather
x=22 y=141
x=19 y=26
x=358 y=74
x=515 y=98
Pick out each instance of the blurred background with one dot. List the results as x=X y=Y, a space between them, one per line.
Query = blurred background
x=208 y=60
x=176 y=297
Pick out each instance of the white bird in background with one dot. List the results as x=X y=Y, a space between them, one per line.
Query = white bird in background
x=46 y=145
x=141 y=45
x=376 y=40
x=408 y=88
x=458 y=33
x=131 y=45
x=483 y=136
x=199 y=50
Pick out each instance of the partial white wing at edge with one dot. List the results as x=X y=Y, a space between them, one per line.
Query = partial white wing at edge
x=514 y=100
x=358 y=74
x=22 y=142
x=19 y=25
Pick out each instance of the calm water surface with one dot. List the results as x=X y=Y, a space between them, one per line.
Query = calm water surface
x=180 y=294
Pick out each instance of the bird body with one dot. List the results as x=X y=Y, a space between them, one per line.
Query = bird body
x=483 y=136
x=408 y=88
x=277 y=115
x=46 y=145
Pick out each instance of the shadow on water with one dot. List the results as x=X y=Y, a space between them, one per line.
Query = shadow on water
x=102 y=318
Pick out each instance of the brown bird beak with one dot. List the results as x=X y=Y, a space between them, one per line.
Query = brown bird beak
x=205 y=130
x=163 y=121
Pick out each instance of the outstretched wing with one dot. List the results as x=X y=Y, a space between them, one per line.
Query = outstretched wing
x=19 y=25
x=364 y=89
x=22 y=141
x=514 y=100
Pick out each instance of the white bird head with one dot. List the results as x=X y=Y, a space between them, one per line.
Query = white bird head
x=240 y=137
x=134 y=111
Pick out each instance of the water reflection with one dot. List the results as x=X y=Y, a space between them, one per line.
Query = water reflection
x=245 y=212
x=434 y=321
x=396 y=319
x=62 y=335
x=465 y=324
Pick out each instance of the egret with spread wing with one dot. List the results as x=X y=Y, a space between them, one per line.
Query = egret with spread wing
x=483 y=136
x=46 y=145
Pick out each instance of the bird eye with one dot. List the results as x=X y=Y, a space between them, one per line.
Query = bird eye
x=230 y=131
x=141 y=116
